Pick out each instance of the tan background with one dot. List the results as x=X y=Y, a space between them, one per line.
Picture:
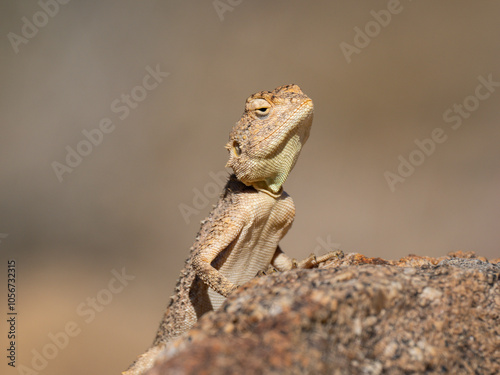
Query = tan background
x=120 y=206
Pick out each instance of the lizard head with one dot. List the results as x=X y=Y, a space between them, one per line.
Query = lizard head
x=265 y=144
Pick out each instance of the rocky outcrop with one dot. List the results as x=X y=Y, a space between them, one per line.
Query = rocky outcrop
x=354 y=315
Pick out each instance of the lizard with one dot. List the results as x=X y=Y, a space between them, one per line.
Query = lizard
x=240 y=237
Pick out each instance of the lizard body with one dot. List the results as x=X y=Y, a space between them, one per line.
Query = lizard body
x=258 y=221
x=240 y=236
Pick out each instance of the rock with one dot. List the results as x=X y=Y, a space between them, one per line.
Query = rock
x=354 y=315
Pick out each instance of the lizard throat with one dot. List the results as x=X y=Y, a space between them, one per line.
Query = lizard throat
x=263 y=187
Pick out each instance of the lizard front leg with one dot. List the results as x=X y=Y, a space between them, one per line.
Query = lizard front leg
x=283 y=262
x=312 y=260
x=211 y=276
x=218 y=246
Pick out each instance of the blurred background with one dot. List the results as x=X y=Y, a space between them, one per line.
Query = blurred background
x=167 y=80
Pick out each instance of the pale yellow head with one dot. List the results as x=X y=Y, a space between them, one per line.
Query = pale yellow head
x=265 y=144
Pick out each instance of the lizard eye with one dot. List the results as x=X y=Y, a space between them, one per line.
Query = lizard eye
x=261 y=107
x=263 y=111
x=236 y=148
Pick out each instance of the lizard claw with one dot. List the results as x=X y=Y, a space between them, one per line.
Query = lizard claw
x=268 y=271
x=339 y=254
x=312 y=261
x=309 y=262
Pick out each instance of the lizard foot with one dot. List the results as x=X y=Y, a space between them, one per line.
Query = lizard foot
x=313 y=261
x=268 y=271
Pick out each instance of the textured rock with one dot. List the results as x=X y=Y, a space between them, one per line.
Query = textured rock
x=354 y=315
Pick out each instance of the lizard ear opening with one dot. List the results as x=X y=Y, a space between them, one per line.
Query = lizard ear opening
x=236 y=148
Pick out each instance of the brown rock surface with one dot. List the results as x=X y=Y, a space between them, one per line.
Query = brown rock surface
x=354 y=315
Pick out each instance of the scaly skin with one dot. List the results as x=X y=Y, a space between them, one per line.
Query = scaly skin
x=240 y=236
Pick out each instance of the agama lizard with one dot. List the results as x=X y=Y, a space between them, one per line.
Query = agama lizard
x=240 y=236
